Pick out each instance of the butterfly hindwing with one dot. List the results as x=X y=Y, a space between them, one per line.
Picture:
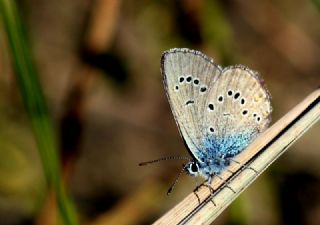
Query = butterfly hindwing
x=237 y=109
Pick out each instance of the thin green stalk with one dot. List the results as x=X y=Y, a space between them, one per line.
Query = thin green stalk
x=36 y=107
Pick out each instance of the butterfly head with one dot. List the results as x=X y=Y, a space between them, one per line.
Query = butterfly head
x=192 y=168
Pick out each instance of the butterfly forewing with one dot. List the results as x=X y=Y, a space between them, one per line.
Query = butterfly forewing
x=188 y=77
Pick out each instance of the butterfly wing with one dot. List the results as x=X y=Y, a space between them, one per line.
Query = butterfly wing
x=238 y=108
x=188 y=76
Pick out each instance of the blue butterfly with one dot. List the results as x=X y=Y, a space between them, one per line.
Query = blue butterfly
x=218 y=111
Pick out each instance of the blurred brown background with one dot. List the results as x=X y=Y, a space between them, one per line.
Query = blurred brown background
x=99 y=67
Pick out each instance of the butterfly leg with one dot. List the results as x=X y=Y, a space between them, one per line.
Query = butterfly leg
x=205 y=184
x=226 y=184
x=196 y=190
x=208 y=185
x=244 y=166
x=195 y=193
x=230 y=171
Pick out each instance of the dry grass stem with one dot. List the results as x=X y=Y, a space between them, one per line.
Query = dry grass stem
x=254 y=160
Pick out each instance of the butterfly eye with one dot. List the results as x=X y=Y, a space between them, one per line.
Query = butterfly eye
x=181 y=79
x=230 y=92
x=194 y=168
x=242 y=101
x=211 y=130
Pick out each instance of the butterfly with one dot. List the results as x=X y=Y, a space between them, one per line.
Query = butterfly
x=218 y=111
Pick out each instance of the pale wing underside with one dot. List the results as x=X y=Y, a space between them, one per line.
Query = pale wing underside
x=188 y=77
x=240 y=102
x=238 y=106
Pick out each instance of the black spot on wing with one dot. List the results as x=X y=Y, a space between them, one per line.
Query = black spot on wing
x=189 y=102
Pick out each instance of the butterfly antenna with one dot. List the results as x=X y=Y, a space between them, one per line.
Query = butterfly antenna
x=163 y=159
x=175 y=181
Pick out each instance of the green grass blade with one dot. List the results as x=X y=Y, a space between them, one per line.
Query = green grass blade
x=35 y=104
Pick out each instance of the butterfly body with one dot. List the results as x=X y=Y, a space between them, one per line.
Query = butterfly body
x=217 y=152
x=218 y=111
